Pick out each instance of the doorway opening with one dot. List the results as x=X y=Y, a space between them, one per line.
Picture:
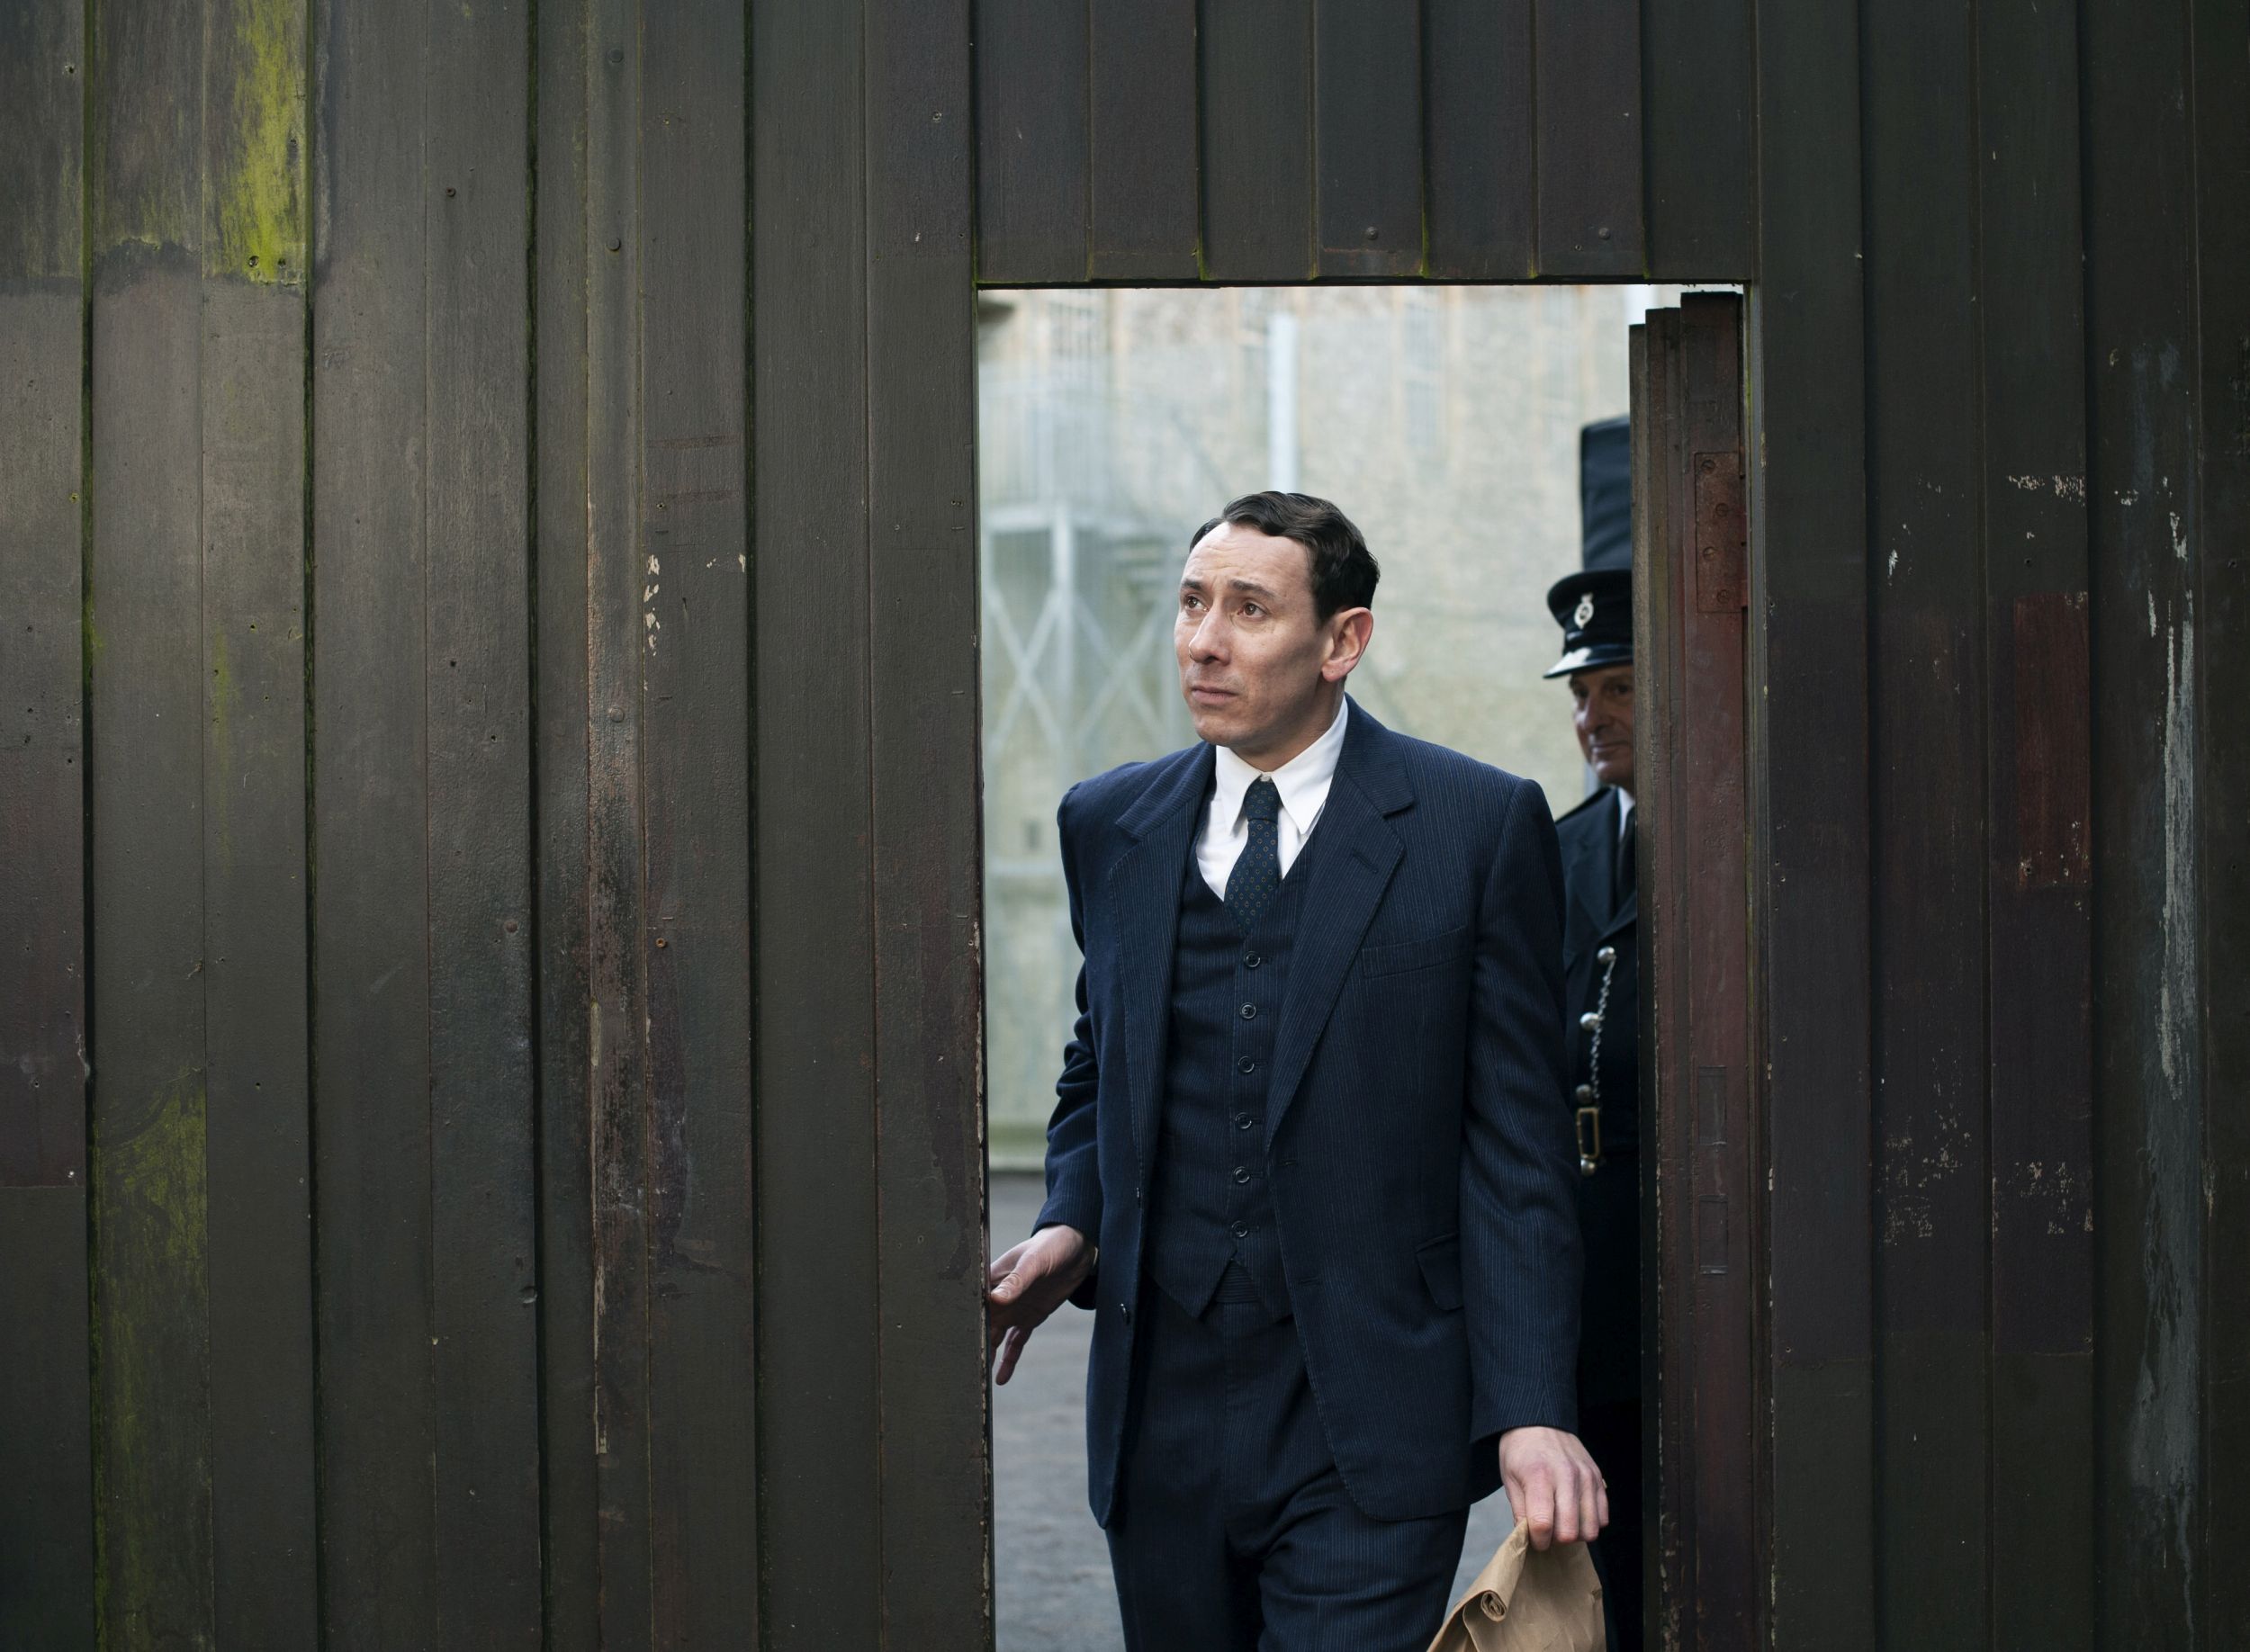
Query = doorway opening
x=1446 y=421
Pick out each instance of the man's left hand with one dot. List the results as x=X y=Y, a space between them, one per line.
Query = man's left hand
x=1552 y=1485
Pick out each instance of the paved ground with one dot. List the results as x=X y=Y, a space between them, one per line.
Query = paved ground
x=1051 y=1568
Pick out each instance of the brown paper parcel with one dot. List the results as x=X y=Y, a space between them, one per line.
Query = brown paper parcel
x=1527 y=1600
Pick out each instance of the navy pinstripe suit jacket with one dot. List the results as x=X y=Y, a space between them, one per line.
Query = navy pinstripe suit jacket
x=1417 y=1140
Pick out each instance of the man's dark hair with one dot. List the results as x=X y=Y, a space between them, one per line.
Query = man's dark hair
x=1344 y=571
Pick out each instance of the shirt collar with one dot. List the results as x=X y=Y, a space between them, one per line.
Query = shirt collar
x=1625 y=810
x=1303 y=781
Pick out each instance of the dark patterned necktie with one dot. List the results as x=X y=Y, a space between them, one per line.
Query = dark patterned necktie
x=1258 y=875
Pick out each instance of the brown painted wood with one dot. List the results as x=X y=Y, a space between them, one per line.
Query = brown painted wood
x=2221 y=96
x=819 y=1332
x=2150 y=1083
x=145 y=713
x=1478 y=177
x=1704 y=1176
x=256 y=1000
x=1926 y=755
x=372 y=1137
x=47 y=1557
x=926 y=736
x=1257 y=116
x=618 y=938
x=695 y=709
x=476 y=619
x=1808 y=822
x=1142 y=190
x=1587 y=89
x=1698 y=141
x=1033 y=108
x=1367 y=124
x=2038 y=861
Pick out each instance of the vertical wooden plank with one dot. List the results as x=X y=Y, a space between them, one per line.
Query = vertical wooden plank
x=2221 y=102
x=42 y=979
x=2038 y=863
x=258 y=1146
x=147 y=713
x=2149 y=1091
x=569 y=1542
x=1033 y=106
x=616 y=933
x=476 y=617
x=1586 y=88
x=1478 y=181
x=1696 y=139
x=378 y=1419
x=1929 y=823
x=818 y=1337
x=1809 y=785
x=47 y=1564
x=1367 y=104
x=1669 y=1543
x=695 y=712
x=47 y=1570
x=925 y=732
x=1258 y=188
x=1143 y=189
x=1714 y=1081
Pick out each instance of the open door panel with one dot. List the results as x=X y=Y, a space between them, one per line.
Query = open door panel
x=1700 y=1163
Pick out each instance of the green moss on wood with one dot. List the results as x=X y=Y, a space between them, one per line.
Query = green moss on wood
x=255 y=188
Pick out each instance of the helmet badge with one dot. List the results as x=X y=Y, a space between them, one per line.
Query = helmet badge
x=1585 y=612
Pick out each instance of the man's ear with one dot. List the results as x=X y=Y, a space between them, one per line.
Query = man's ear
x=1349 y=636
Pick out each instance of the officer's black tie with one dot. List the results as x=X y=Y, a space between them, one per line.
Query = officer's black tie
x=1258 y=875
x=1626 y=877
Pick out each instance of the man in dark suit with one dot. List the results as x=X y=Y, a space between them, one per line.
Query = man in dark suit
x=1602 y=991
x=1310 y=1164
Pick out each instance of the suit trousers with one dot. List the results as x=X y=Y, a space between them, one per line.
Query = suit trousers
x=1234 y=1531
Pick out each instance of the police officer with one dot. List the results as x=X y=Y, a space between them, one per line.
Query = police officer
x=1602 y=981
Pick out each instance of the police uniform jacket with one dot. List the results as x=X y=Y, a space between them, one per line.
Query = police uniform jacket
x=1596 y=918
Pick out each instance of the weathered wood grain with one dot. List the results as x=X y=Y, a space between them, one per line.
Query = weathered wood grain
x=1587 y=89
x=694 y=618
x=146 y=711
x=617 y=935
x=1478 y=195
x=819 y=1333
x=1367 y=137
x=927 y=846
x=1143 y=191
x=570 y=1544
x=1698 y=141
x=1809 y=802
x=1032 y=108
x=1927 y=821
x=1257 y=113
x=371 y=914
x=256 y=1003
x=2149 y=1078
x=2038 y=861
x=47 y=1558
x=2221 y=102
x=477 y=688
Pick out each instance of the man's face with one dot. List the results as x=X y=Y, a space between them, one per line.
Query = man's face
x=1604 y=720
x=1255 y=658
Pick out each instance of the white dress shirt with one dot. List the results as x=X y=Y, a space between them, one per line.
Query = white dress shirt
x=1302 y=782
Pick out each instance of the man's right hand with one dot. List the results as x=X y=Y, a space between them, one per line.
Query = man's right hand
x=1027 y=1283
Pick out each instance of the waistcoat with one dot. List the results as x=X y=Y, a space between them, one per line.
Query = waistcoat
x=1212 y=1202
